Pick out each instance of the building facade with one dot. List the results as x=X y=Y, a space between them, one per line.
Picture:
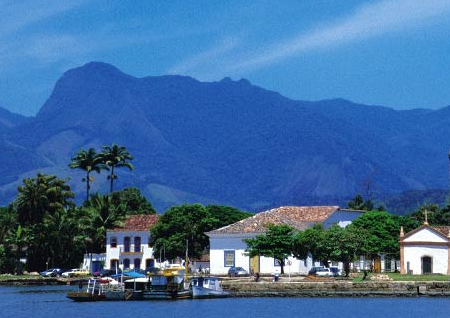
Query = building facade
x=128 y=247
x=227 y=247
x=425 y=250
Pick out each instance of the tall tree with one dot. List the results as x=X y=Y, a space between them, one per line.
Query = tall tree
x=358 y=203
x=41 y=195
x=276 y=243
x=88 y=161
x=190 y=222
x=133 y=201
x=103 y=215
x=312 y=241
x=38 y=199
x=113 y=157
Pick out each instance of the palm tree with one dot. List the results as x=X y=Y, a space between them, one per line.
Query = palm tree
x=88 y=161
x=115 y=157
x=103 y=215
x=39 y=196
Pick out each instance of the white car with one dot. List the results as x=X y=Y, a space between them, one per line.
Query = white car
x=324 y=272
x=75 y=272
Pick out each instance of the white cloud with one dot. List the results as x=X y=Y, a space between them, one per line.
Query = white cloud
x=212 y=54
x=21 y=14
x=368 y=21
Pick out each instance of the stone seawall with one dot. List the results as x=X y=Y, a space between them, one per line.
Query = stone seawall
x=336 y=289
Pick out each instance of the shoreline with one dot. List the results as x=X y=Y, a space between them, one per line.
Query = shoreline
x=338 y=288
x=245 y=287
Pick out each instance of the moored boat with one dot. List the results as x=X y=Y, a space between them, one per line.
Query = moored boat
x=207 y=287
x=170 y=283
x=94 y=292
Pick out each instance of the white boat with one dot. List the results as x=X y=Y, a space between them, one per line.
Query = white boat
x=207 y=287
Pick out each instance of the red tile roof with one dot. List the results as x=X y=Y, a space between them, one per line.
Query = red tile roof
x=443 y=229
x=137 y=223
x=299 y=217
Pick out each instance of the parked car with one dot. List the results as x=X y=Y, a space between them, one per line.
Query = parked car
x=335 y=271
x=314 y=269
x=51 y=272
x=75 y=272
x=236 y=271
x=324 y=272
x=106 y=272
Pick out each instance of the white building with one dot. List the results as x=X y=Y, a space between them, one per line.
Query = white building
x=127 y=247
x=227 y=247
x=425 y=250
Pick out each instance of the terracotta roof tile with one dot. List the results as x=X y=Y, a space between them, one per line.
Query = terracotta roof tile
x=137 y=223
x=443 y=229
x=299 y=217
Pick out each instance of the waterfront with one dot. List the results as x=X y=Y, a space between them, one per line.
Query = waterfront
x=51 y=301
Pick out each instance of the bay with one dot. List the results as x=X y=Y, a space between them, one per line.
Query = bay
x=51 y=302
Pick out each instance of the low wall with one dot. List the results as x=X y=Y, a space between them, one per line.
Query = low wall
x=336 y=289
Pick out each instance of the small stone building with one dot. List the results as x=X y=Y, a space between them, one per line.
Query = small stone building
x=425 y=250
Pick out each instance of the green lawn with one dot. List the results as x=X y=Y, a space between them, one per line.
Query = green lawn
x=417 y=278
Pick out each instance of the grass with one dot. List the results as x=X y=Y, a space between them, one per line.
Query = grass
x=409 y=278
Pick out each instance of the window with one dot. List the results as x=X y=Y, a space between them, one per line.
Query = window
x=137 y=244
x=126 y=244
x=229 y=258
x=113 y=242
x=137 y=263
x=126 y=263
x=275 y=262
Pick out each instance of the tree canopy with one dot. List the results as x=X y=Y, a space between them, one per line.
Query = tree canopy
x=190 y=222
x=276 y=243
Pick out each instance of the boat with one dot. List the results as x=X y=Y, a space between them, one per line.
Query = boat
x=129 y=289
x=170 y=283
x=94 y=292
x=207 y=287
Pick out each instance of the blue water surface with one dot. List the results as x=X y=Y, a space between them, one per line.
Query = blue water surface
x=51 y=302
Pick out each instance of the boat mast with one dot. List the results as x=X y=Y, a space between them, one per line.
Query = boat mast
x=186 y=265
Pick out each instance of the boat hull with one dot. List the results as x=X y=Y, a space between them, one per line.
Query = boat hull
x=85 y=296
x=202 y=292
x=165 y=295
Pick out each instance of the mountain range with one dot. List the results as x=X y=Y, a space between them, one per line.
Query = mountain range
x=226 y=142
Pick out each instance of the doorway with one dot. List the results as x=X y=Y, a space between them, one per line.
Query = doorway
x=427 y=265
x=254 y=265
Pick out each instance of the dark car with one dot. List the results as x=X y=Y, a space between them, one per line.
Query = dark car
x=236 y=271
x=52 y=272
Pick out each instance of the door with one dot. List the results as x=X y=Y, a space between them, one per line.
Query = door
x=426 y=265
x=254 y=265
x=377 y=264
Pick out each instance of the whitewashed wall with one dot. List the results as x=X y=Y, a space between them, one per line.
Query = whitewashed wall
x=114 y=252
x=414 y=254
x=219 y=244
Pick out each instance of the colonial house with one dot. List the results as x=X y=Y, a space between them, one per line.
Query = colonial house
x=425 y=250
x=127 y=247
x=227 y=247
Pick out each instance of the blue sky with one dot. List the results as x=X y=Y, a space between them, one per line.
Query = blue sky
x=394 y=53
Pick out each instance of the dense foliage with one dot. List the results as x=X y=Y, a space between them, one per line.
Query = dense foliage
x=276 y=243
x=44 y=225
x=188 y=223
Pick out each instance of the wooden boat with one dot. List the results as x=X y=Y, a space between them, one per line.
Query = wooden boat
x=93 y=292
x=207 y=287
x=170 y=283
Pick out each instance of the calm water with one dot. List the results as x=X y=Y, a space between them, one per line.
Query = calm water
x=51 y=302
